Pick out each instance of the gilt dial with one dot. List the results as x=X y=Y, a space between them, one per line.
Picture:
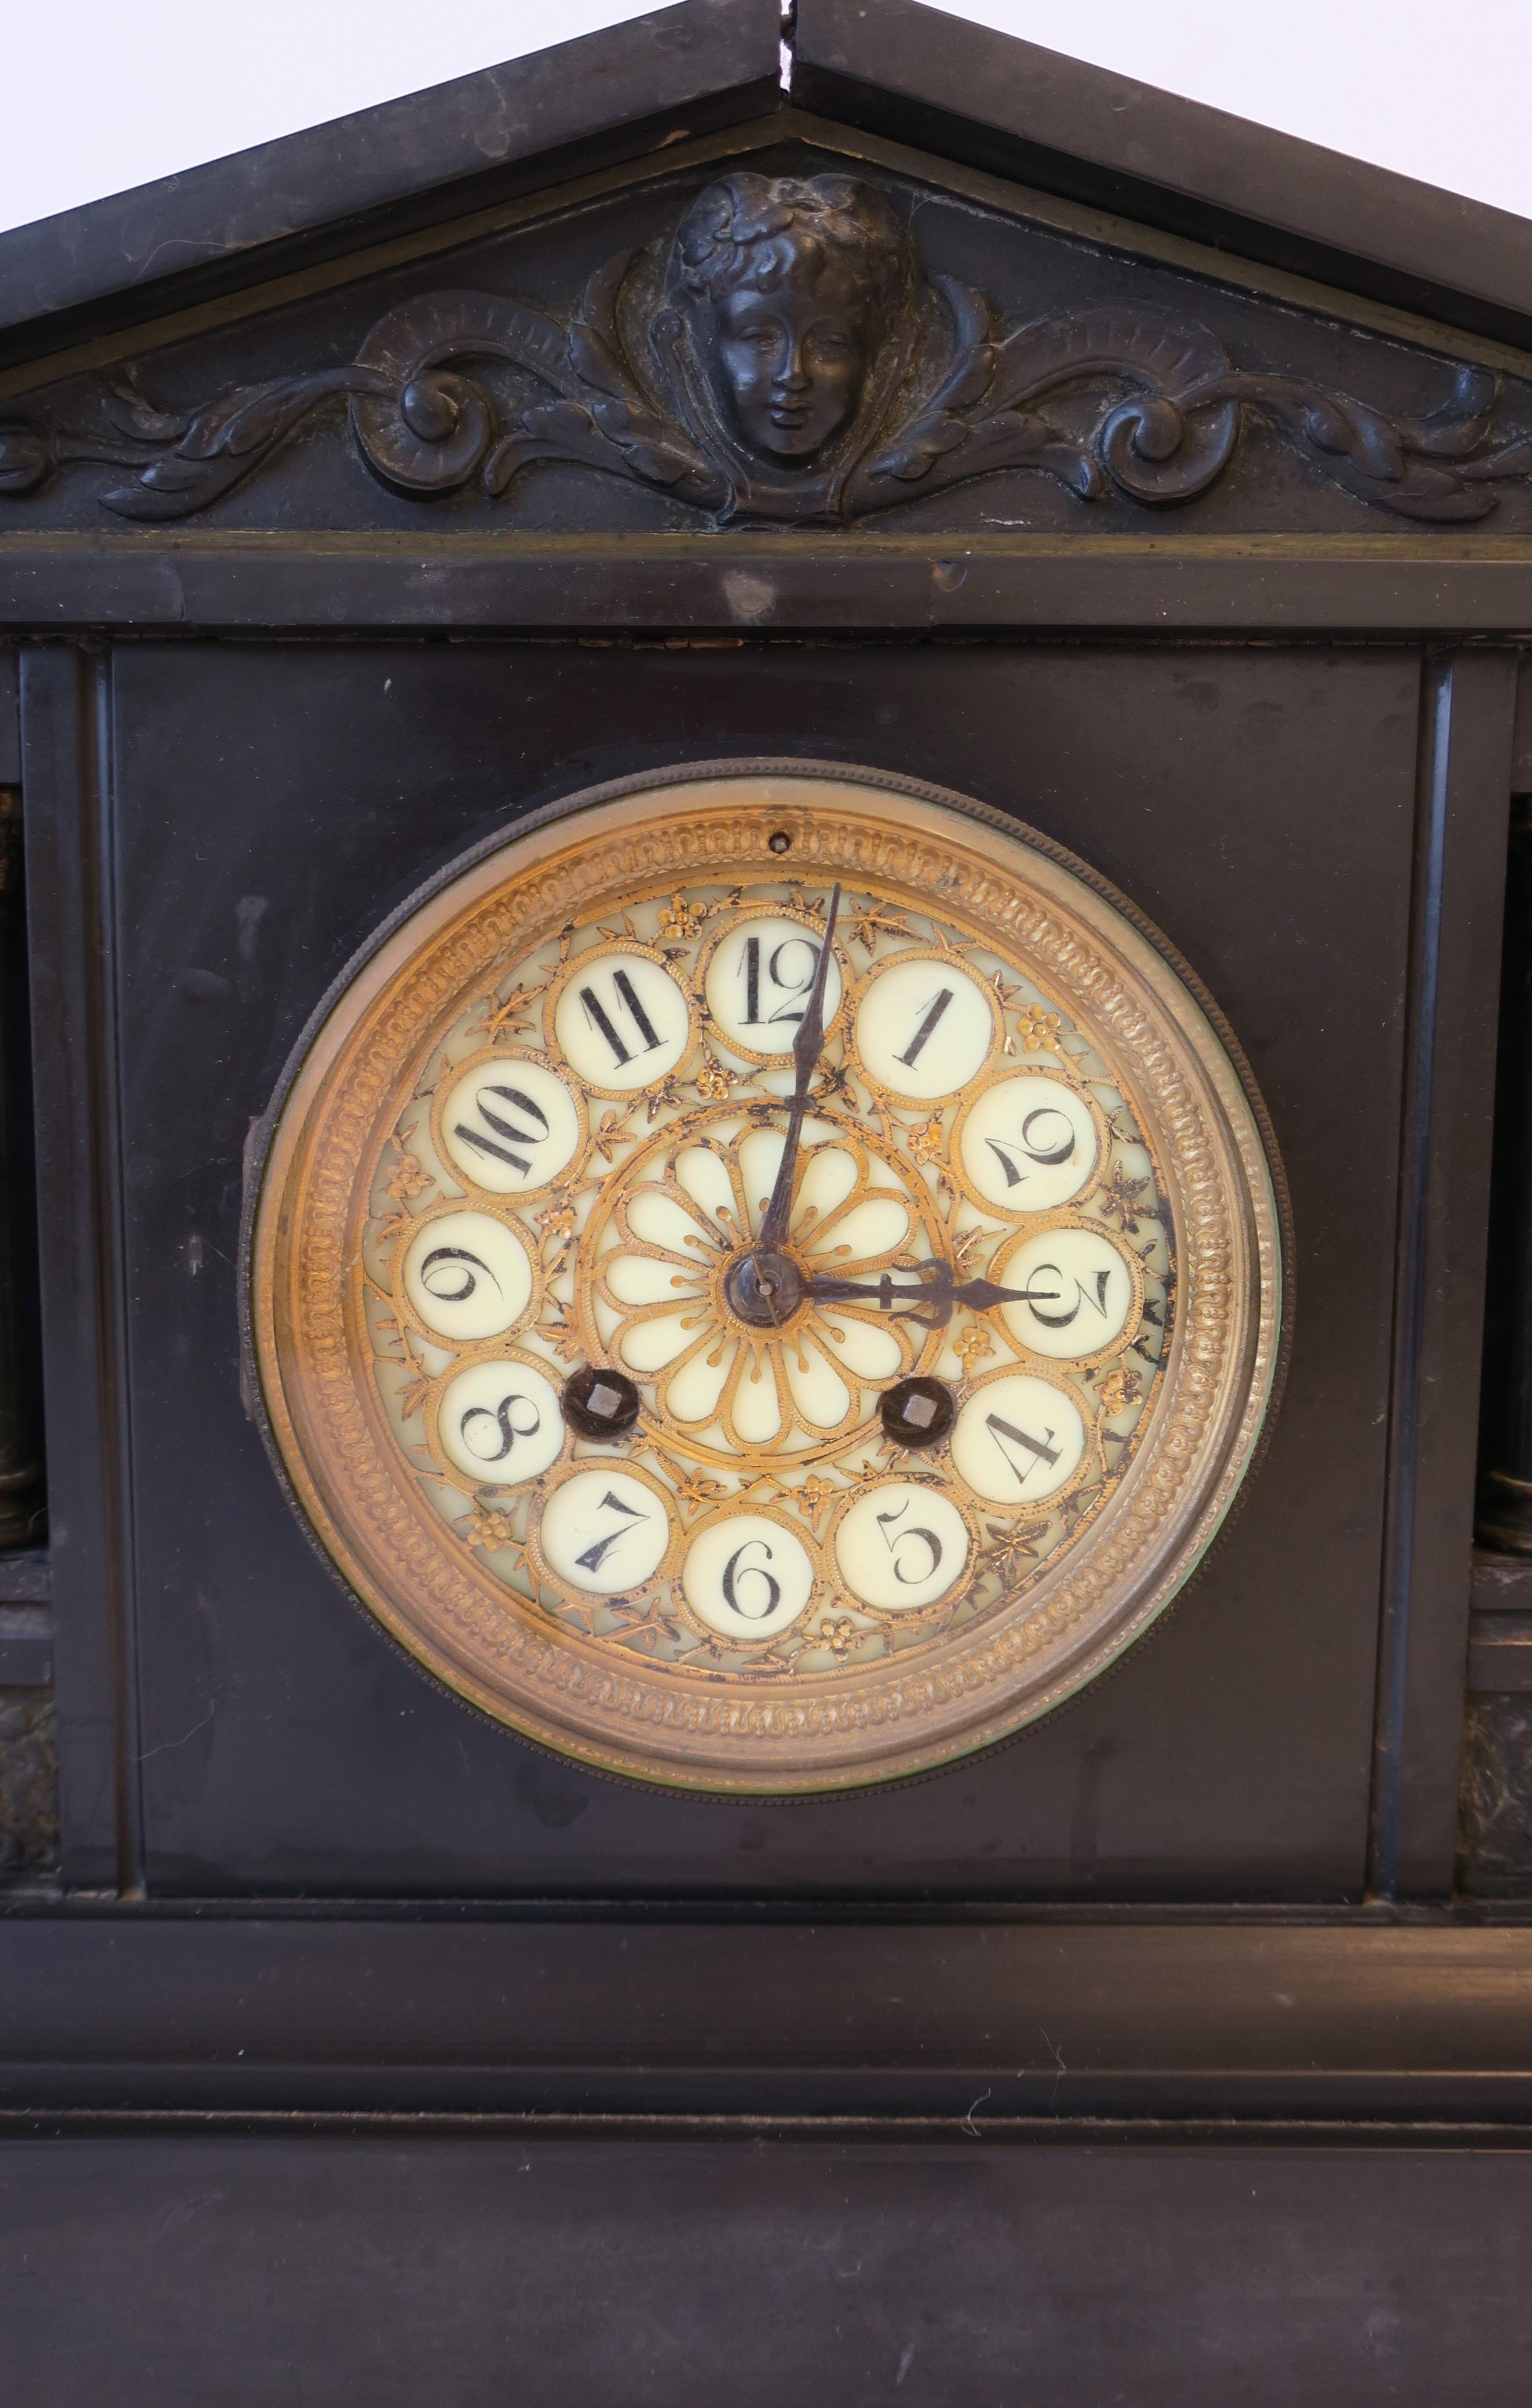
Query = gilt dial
x=765 y=1281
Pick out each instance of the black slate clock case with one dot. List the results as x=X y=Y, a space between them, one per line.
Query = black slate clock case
x=399 y=1790
x=1221 y=590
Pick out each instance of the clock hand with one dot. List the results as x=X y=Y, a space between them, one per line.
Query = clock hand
x=932 y=1299
x=807 y=1047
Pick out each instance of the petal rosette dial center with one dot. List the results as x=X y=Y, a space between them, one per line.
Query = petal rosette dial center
x=743 y=1358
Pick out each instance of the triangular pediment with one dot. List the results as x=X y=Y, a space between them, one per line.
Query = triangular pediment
x=787 y=323
x=790 y=326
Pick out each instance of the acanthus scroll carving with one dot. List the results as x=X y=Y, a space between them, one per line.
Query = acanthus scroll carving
x=784 y=356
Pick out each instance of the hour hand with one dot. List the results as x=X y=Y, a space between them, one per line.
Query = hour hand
x=930 y=1297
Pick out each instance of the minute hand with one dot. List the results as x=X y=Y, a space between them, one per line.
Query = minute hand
x=807 y=1045
x=931 y=1298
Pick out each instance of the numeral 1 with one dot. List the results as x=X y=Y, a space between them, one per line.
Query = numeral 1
x=752 y=981
x=933 y=1013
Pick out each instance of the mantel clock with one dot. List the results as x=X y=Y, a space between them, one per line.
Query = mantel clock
x=765 y=1278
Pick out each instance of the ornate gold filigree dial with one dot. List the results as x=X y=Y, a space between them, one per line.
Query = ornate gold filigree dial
x=748 y=1362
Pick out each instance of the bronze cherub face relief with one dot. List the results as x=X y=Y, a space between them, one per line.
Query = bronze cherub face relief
x=794 y=370
x=801 y=279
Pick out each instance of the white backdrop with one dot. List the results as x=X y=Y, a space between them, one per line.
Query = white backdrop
x=101 y=94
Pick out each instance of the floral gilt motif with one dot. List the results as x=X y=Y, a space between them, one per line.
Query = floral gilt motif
x=803 y=1392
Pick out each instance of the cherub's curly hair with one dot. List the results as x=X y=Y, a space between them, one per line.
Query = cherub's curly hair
x=754 y=232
